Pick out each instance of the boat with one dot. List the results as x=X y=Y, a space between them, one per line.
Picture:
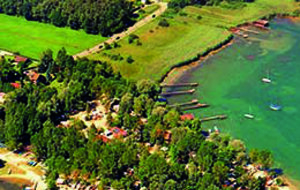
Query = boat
x=266 y=80
x=216 y=129
x=249 y=116
x=275 y=107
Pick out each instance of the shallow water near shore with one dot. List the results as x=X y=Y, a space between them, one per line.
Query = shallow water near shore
x=231 y=82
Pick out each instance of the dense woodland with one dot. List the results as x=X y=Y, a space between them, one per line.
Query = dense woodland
x=183 y=3
x=102 y=16
x=191 y=159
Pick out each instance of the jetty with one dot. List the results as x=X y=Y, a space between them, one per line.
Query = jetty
x=217 y=117
x=194 y=84
x=178 y=92
x=195 y=101
x=248 y=30
x=197 y=106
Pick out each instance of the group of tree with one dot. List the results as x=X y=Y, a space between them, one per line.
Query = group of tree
x=183 y=3
x=189 y=160
x=102 y=16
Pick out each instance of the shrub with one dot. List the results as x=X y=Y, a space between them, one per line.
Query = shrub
x=132 y=37
x=183 y=14
x=163 y=23
x=130 y=59
x=116 y=45
x=138 y=43
x=199 y=17
x=107 y=46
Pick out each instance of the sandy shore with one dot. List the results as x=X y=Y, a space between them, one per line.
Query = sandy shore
x=16 y=180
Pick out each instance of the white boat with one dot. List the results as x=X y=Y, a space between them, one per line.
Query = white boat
x=266 y=80
x=275 y=107
x=249 y=116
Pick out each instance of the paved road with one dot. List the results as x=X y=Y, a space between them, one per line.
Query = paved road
x=161 y=10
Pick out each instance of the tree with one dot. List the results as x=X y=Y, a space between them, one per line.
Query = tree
x=172 y=118
x=220 y=172
x=152 y=165
x=170 y=185
x=46 y=61
x=130 y=59
x=148 y=87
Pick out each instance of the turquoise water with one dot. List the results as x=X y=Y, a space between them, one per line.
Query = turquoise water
x=230 y=82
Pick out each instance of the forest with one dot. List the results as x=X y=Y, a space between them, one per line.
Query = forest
x=92 y=16
x=190 y=159
x=183 y=3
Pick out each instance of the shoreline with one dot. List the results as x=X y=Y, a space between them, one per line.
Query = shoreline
x=180 y=70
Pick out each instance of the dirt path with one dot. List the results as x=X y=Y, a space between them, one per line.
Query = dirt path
x=161 y=10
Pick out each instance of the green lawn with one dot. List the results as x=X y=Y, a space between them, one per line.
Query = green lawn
x=31 y=38
x=187 y=36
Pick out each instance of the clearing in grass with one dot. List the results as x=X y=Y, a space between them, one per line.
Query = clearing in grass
x=32 y=38
x=192 y=31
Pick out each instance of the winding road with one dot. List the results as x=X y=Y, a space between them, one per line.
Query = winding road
x=116 y=37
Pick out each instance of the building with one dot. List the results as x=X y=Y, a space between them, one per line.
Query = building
x=118 y=132
x=187 y=116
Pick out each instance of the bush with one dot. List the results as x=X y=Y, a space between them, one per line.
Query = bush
x=116 y=45
x=199 y=17
x=130 y=59
x=107 y=46
x=138 y=43
x=163 y=23
x=131 y=38
x=183 y=14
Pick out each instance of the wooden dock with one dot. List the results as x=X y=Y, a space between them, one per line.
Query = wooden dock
x=194 y=84
x=195 y=101
x=250 y=31
x=195 y=107
x=178 y=92
x=217 y=117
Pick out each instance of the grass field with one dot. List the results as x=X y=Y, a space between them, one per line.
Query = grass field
x=187 y=36
x=31 y=38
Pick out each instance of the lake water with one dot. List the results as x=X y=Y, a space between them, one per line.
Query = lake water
x=230 y=82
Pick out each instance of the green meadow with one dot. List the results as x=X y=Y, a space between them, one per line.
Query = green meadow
x=187 y=36
x=32 y=38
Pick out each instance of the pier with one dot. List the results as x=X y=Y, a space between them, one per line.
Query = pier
x=217 y=117
x=178 y=92
x=195 y=101
x=195 y=107
x=194 y=84
x=250 y=31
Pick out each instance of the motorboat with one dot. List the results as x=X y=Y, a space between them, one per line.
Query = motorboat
x=275 y=107
x=249 y=116
x=266 y=80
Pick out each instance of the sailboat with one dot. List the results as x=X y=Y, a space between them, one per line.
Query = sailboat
x=266 y=79
x=275 y=107
x=248 y=115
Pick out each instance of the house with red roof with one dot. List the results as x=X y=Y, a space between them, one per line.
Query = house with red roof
x=168 y=136
x=187 y=116
x=118 y=132
x=15 y=85
x=103 y=138
x=19 y=59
